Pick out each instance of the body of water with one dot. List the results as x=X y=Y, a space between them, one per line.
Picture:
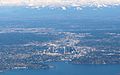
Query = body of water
x=70 y=69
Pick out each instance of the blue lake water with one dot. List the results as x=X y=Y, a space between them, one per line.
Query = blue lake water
x=70 y=69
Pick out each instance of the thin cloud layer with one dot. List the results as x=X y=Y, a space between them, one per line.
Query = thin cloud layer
x=60 y=3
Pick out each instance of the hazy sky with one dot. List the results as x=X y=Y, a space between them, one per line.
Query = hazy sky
x=53 y=3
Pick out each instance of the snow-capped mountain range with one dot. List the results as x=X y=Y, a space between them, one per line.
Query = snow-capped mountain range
x=60 y=3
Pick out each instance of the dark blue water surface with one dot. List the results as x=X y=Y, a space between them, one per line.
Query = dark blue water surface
x=70 y=69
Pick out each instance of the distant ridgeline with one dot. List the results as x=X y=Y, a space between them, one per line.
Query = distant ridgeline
x=60 y=3
x=76 y=10
x=87 y=18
